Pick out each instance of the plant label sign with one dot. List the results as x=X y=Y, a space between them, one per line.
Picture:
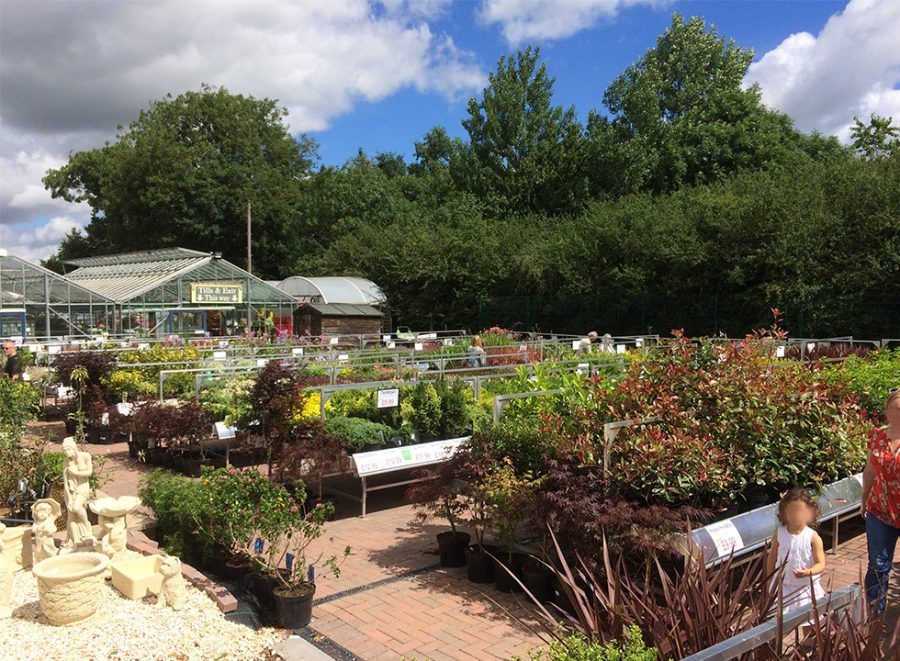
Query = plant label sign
x=392 y=459
x=385 y=338
x=224 y=431
x=334 y=340
x=726 y=537
x=779 y=352
x=389 y=398
x=620 y=349
x=418 y=346
x=219 y=355
x=297 y=351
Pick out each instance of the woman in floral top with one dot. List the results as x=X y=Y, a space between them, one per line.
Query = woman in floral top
x=881 y=500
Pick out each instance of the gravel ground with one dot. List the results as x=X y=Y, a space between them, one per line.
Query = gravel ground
x=126 y=630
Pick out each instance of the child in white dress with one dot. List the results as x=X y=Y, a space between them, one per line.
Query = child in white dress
x=797 y=547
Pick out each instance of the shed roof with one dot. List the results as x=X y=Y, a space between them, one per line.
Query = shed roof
x=333 y=289
x=344 y=310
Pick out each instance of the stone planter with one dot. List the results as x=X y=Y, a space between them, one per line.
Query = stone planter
x=17 y=547
x=71 y=586
x=139 y=577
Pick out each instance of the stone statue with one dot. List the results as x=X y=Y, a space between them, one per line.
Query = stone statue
x=172 y=591
x=45 y=512
x=77 y=471
x=111 y=513
x=6 y=581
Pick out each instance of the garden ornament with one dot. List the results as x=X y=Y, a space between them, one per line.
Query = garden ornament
x=111 y=513
x=45 y=512
x=172 y=592
x=77 y=471
x=6 y=580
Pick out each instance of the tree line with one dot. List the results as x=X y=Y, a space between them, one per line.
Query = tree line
x=684 y=202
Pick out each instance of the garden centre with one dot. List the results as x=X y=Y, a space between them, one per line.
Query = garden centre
x=575 y=474
x=175 y=291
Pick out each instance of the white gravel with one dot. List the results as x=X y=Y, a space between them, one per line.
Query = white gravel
x=126 y=630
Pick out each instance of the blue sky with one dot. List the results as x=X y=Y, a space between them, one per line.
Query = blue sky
x=583 y=65
x=378 y=74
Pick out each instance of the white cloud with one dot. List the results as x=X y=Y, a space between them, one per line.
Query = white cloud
x=72 y=72
x=852 y=67
x=524 y=20
x=36 y=243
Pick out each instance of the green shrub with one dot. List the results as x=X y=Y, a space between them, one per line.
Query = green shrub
x=872 y=378
x=357 y=432
x=577 y=647
x=422 y=409
x=159 y=354
x=227 y=399
x=49 y=468
x=19 y=404
x=129 y=384
x=176 y=501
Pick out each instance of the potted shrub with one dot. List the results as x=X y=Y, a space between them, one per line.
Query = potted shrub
x=262 y=509
x=422 y=411
x=359 y=435
x=510 y=497
x=439 y=496
x=314 y=452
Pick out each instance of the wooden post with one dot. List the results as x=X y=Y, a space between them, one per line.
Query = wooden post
x=249 y=239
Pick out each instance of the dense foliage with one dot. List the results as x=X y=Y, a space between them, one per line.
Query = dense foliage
x=684 y=203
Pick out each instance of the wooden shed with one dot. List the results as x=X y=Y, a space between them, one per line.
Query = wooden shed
x=335 y=319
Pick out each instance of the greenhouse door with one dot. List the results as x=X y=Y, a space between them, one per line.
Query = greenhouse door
x=186 y=322
x=12 y=324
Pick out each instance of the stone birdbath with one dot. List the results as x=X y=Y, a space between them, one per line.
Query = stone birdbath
x=111 y=513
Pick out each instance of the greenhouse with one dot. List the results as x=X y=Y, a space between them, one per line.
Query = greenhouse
x=333 y=289
x=180 y=291
x=36 y=302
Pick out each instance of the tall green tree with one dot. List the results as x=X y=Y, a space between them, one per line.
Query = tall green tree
x=183 y=173
x=521 y=146
x=877 y=139
x=681 y=115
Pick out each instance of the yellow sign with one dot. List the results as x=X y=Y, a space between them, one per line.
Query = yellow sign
x=217 y=292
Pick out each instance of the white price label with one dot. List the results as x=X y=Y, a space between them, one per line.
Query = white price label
x=391 y=345
x=576 y=345
x=334 y=340
x=779 y=352
x=219 y=355
x=810 y=346
x=385 y=338
x=54 y=349
x=620 y=349
x=726 y=537
x=344 y=357
x=418 y=346
x=297 y=351
x=224 y=431
x=262 y=362
x=389 y=398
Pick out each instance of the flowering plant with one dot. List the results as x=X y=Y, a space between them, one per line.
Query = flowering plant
x=252 y=508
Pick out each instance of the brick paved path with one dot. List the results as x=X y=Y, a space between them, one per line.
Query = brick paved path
x=392 y=601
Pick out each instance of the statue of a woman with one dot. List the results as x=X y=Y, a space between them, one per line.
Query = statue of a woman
x=77 y=471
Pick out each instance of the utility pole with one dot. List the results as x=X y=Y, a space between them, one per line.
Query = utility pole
x=249 y=238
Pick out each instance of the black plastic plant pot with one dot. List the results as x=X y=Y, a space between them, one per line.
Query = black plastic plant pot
x=539 y=581
x=293 y=605
x=480 y=567
x=505 y=581
x=452 y=547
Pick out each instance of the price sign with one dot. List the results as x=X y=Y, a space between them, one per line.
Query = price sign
x=224 y=431
x=810 y=346
x=418 y=346
x=297 y=351
x=385 y=338
x=576 y=345
x=262 y=362
x=54 y=349
x=620 y=349
x=726 y=537
x=391 y=345
x=779 y=352
x=219 y=355
x=334 y=340
x=389 y=398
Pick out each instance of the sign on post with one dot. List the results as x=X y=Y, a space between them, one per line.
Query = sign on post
x=726 y=537
x=217 y=292
x=410 y=456
x=389 y=398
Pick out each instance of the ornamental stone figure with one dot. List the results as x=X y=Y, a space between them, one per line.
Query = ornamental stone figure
x=45 y=512
x=172 y=591
x=77 y=471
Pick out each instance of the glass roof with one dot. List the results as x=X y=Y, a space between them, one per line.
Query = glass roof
x=336 y=289
x=23 y=283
